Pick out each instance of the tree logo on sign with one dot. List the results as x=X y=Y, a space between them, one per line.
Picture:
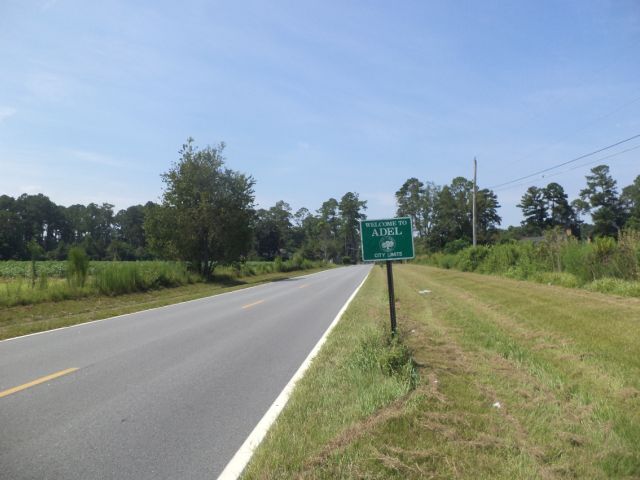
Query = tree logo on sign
x=387 y=244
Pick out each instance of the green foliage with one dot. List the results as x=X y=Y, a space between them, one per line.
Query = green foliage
x=470 y=258
x=278 y=265
x=456 y=245
x=603 y=265
x=602 y=200
x=379 y=350
x=77 y=267
x=206 y=212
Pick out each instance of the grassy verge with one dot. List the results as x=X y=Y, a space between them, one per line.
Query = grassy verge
x=358 y=373
x=605 y=266
x=22 y=283
x=516 y=381
x=24 y=319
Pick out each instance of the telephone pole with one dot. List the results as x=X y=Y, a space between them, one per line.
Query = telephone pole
x=475 y=190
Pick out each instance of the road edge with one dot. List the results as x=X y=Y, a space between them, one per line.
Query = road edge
x=239 y=461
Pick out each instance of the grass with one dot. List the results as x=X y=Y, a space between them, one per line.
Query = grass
x=19 y=287
x=46 y=315
x=358 y=372
x=516 y=381
x=605 y=265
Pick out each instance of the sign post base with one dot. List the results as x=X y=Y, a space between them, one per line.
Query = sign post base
x=392 y=297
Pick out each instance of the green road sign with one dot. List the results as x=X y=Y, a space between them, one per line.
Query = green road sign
x=390 y=239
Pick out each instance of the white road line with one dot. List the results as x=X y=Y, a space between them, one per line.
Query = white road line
x=237 y=464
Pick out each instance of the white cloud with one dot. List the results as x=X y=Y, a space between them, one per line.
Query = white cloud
x=6 y=112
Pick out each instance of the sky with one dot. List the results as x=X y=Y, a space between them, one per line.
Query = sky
x=316 y=98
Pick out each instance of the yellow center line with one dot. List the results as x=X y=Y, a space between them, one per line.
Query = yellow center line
x=37 y=382
x=253 y=304
x=304 y=286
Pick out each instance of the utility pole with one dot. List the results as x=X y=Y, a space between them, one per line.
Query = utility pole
x=475 y=191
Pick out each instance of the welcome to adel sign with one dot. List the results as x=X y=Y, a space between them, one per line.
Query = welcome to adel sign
x=384 y=241
x=389 y=239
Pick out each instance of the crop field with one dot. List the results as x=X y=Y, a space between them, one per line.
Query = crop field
x=21 y=285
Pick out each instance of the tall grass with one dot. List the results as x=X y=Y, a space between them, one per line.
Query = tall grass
x=604 y=265
x=77 y=278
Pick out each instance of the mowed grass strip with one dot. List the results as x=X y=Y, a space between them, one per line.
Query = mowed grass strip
x=25 y=319
x=351 y=385
x=517 y=380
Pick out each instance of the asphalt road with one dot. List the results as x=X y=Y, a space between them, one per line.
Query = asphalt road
x=169 y=393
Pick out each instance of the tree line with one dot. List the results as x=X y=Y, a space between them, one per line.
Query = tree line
x=611 y=211
x=207 y=216
x=442 y=215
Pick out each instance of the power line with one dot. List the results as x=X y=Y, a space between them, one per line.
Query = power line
x=571 y=169
x=578 y=130
x=565 y=163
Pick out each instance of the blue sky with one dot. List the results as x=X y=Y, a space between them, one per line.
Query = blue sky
x=314 y=99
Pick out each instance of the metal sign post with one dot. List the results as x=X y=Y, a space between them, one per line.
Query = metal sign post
x=383 y=241
x=392 y=296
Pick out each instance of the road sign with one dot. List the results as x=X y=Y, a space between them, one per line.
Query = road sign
x=388 y=239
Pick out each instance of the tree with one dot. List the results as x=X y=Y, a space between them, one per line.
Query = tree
x=350 y=208
x=11 y=241
x=631 y=203
x=273 y=231
x=206 y=212
x=454 y=216
x=130 y=226
x=410 y=199
x=559 y=212
x=487 y=211
x=546 y=207
x=328 y=229
x=418 y=201
x=602 y=200
x=534 y=210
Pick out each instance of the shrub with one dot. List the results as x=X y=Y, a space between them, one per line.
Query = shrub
x=77 y=267
x=469 y=259
x=456 y=245
x=119 y=279
x=575 y=259
x=615 y=286
x=278 y=265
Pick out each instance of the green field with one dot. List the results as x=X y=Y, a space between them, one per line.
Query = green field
x=22 y=284
x=22 y=319
x=515 y=380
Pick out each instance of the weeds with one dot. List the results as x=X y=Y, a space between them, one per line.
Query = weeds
x=605 y=265
x=21 y=286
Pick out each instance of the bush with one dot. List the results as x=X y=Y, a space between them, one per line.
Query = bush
x=77 y=267
x=379 y=350
x=278 y=265
x=469 y=259
x=615 y=286
x=119 y=279
x=558 y=260
x=456 y=245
